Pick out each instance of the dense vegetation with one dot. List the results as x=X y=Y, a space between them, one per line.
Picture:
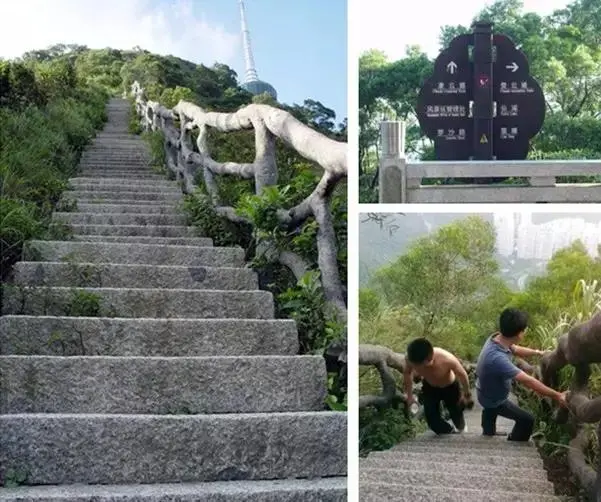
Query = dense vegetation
x=447 y=287
x=52 y=101
x=564 y=56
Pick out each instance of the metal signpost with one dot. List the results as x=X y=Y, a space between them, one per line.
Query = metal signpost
x=481 y=103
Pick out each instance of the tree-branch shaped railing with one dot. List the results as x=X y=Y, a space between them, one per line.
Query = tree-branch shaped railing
x=268 y=124
x=580 y=347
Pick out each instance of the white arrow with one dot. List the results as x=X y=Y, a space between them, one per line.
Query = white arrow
x=513 y=67
x=452 y=67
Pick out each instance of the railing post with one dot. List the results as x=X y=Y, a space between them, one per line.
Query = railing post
x=393 y=170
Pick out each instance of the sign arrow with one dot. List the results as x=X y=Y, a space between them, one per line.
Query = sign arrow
x=452 y=67
x=513 y=67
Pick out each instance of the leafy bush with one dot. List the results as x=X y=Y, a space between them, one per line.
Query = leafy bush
x=46 y=123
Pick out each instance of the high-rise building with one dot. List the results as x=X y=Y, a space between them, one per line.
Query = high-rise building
x=251 y=79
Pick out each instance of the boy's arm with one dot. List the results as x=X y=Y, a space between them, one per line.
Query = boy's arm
x=540 y=388
x=461 y=374
x=408 y=381
x=525 y=351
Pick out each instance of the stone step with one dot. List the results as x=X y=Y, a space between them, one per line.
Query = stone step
x=107 y=195
x=106 y=173
x=492 y=482
x=506 y=448
x=111 y=150
x=79 y=218
x=106 y=162
x=116 y=180
x=175 y=204
x=106 y=165
x=490 y=457
x=162 y=385
x=121 y=449
x=135 y=230
x=66 y=336
x=126 y=208
x=137 y=302
x=289 y=490
x=151 y=186
x=126 y=253
x=432 y=465
x=476 y=440
x=172 y=241
x=377 y=492
x=110 y=275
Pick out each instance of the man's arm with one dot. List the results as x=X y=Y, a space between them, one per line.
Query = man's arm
x=525 y=351
x=461 y=374
x=408 y=381
x=540 y=388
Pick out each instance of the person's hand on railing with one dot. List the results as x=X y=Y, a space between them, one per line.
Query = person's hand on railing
x=562 y=399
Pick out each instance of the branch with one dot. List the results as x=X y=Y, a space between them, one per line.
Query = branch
x=383 y=359
x=296 y=263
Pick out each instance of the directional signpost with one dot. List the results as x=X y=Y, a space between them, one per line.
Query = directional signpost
x=481 y=102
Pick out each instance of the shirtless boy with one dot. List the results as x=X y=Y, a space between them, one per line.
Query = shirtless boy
x=441 y=372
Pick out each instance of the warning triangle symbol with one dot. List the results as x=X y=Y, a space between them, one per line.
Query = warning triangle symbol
x=484 y=139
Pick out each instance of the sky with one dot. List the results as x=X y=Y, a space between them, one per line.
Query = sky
x=299 y=47
x=392 y=25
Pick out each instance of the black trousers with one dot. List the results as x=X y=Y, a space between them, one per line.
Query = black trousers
x=524 y=421
x=450 y=396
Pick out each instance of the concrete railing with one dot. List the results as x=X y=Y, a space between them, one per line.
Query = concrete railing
x=580 y=348
x=401 y=181
x=186 y=158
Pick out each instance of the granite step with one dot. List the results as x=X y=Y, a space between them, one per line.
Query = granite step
x=150 y=186
x=117 y=180
x=506 y=448
x=108 y=173
x=429 y=464
x=490 y=457
x=134 y=204
x=161 y=385
x=79 y=218
x=137 y=302
x=112 y=275
x=377 y=492
x=88 y=169
x=476 y=440
x=290 y=490
x=132 y=253
x=173 y=241
x=125 y=208
x=104 y=195
x=493 y=482
x=135 y=230
x=176 y=337
x=121 y=449
x=105 y=161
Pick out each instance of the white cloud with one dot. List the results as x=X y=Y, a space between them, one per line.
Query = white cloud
x=391 y=25
x=168 y=28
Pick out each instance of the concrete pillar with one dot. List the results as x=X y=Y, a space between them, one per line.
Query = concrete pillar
x=393 y=175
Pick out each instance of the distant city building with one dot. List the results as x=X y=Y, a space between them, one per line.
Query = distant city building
x=251 y=80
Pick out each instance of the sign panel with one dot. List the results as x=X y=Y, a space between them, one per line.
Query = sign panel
x=445 y=105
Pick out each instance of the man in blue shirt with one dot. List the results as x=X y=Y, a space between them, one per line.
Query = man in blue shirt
x=495 y=372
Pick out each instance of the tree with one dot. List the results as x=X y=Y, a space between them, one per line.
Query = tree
x=449 y=283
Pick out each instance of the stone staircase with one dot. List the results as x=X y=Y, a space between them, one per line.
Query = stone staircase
x=465 y=467
x=139 y=363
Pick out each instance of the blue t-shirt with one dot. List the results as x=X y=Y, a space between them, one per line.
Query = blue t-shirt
x=494 y=373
